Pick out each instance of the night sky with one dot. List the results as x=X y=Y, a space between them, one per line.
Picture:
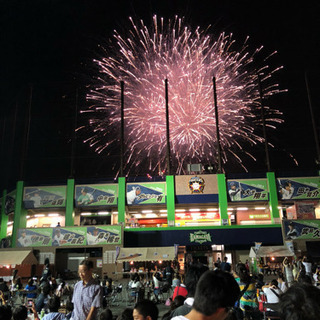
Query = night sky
x=47 y=47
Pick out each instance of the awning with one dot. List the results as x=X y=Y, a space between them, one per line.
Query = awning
x=17 y=257
x=146 y=254
x=272 y=251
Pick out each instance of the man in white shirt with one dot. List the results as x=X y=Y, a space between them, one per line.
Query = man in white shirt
x=272 y=293
x=131 y=195
x=24 y=240
x=36 y=200
x=287 y=191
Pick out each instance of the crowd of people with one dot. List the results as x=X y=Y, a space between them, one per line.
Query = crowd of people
x=222 y=293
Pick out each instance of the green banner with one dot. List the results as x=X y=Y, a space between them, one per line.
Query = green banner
x=44 y=197
x=69 y=236
x=299 y=188
x=146 y=193
x=248 y=190
x=35 y=237
x=302 y=229
x=96 y=195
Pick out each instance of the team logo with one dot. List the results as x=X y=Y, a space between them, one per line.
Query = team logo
x=196 y=185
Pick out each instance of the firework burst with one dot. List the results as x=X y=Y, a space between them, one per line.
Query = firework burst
x=143 y=59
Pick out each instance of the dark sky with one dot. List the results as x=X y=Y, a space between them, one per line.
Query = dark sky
x=46 y=51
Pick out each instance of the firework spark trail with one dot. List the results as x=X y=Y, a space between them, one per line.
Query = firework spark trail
x=189 y=60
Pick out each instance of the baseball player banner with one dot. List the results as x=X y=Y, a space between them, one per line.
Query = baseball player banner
x=103 y=235
x=302 y=229
x=44 y=197
x=96 y=195
x=73 y=236
x=299 y=188
x=10 y=202
x=34 y=237
x=248 y=190
x=146 y=193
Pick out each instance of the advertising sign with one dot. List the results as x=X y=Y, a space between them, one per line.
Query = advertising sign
x=96 y=195
x=41 y=237
x=302 y=229
x=146 y=193
x=104 y=235
x=299 y=188
x=200 y=237
x=248 y=190
x=69 y=236
x=10 y=202
x=197 y=188
x=73 y=236
x=44 y=197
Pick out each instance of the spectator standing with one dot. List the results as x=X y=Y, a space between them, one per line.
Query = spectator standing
x=4 y=288
x=248 y=300
x=225 y=265
x=308 y=266
x=43 y=297
x=31 y=287
x=87 y=294
x=176 y=280
x=287 y=268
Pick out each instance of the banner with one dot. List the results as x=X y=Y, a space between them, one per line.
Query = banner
x=69 y=236
x=10 y=202
x=44 y=197
x=96 y=195
x=290 y=246
x=103 y=235
x=302 y=229
x=299 y=188
x=201 y=188
x=146 y=193
x=248 y=190
x=41 y=237
x=257 y=246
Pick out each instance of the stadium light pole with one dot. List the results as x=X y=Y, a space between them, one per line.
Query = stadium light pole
x=217 y=124
x=167 y=128
x=122 y=130
x=264 y=124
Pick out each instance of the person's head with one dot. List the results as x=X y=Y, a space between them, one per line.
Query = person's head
x=274 y=283
x=287 y=185
x=291 y=226
x=300 y=302
x=53 y=304
x=177 y=302
x=20 y=313
x=138 y=191
x=84 y=191
x=95 y=231
x=217 y=291
x=46 y=289
x=5 y=312
x=233 y=185
x=127 y=314
x=30 y=282
x=145 y=310
x=225 y=259
x=304 y=278
x=243 y=273
x=192 y=277
x=85 y=270
x=1 y=280
x=58 y=232
x=106 y=314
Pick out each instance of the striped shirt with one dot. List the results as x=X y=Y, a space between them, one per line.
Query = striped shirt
x=249 y=298
x=85 y=297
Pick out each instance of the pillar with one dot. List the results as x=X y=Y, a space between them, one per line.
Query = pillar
x=171 y=217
